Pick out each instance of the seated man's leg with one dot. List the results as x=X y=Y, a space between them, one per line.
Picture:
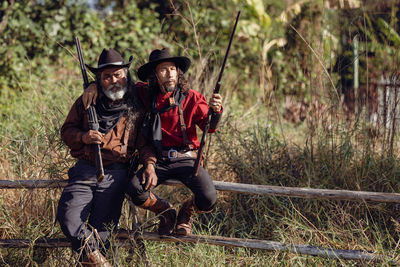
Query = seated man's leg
x=135 y=189
x=75 y=205
x=148 y=200
x=202 y=186
x=107 y=202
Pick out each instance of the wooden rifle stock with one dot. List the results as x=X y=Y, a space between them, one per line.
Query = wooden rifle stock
x=210 y=111
x=92 y=117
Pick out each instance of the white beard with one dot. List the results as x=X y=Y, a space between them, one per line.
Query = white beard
x=114 y=95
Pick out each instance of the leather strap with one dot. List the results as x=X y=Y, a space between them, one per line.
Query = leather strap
x=186 y=141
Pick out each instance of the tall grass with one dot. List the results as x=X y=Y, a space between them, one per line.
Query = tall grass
x=256 y=153
x=254 y=145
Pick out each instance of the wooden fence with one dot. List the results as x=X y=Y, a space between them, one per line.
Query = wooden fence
x=125 y=236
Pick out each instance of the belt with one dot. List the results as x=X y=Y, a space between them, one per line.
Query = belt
x=110 y=166
x=173 y=154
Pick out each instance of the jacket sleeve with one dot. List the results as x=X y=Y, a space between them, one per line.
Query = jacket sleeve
x=73 y=128
x=201 y=111
x=147 y=152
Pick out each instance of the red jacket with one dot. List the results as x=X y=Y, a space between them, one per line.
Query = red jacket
x=195 y=110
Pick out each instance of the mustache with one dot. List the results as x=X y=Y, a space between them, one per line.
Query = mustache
x=114 y=86
x=169 y=81
x=115 y=94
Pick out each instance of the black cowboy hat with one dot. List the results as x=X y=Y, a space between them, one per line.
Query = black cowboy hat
x=156 y=57
x=109 y=58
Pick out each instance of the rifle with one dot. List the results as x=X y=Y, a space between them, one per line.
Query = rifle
x=92 y=117
x=210 y=111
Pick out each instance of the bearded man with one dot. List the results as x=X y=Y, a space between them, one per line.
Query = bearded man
x=87 y=209
x=175 y=111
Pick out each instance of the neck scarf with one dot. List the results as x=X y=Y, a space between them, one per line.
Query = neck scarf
x=108 y=114
x=153 y=121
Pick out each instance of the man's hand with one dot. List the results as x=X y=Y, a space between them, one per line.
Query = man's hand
x=149 y=177
x=89 y=95
x=92 y=137
x=215 y=102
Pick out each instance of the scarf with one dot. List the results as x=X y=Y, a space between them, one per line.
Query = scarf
x=152 y=121
x=109 y=114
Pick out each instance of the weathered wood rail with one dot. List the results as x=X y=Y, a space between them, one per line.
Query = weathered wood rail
x=300 y=192
x=124 y=240
x=124 y=237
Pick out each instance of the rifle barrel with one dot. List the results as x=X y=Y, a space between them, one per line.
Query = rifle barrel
x=216 y=90
x=197 y=162
x=91 y=112
x=81 y=61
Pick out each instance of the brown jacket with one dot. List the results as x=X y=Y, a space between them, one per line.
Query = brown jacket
x=118 y=144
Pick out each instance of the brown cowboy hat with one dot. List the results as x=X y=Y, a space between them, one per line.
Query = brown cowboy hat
x=156 y=57
x=109 y=58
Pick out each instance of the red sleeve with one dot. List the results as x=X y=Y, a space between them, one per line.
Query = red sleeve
x=201 y=111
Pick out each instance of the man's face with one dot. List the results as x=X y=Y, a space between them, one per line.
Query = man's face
x=113 y=81
x=167 y=76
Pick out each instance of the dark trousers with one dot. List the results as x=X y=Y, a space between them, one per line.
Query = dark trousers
x=85 y=205
x=180 y=169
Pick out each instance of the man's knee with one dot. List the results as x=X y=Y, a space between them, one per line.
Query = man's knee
x=206 y=202
x=136 y=191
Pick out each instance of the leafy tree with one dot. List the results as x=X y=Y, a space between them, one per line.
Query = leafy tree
x=36 y=33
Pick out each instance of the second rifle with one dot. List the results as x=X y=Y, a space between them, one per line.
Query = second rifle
x=210 y=111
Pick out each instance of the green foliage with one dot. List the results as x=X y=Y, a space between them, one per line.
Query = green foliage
x=38 y=33
x=337 y=160
x=39 y=81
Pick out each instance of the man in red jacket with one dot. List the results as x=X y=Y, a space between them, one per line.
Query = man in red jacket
x=174 y=112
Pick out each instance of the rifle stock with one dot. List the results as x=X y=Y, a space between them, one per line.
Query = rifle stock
x=92 y=117
x=210 y=111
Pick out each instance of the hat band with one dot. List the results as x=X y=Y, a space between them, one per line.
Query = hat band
x=112 y=63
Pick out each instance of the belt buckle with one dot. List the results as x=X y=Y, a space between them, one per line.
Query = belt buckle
x=170 y=152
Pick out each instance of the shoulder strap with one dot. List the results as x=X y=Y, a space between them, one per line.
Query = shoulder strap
x=183 y=128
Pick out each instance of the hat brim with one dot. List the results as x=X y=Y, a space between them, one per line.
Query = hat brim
x=183 y=63
x=97 y=70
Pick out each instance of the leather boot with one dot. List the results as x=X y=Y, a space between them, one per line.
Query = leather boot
x=166 y=213
x=184 y=220
x=95 y=259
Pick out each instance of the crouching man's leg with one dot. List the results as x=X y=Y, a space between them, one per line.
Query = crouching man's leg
x=148 y=200
x=204 y=200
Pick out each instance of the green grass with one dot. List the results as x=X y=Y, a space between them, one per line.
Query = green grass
x=260 y=149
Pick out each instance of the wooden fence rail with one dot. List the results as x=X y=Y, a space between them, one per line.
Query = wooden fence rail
x=224 y=241
x=300 y=192
x=123 y=239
